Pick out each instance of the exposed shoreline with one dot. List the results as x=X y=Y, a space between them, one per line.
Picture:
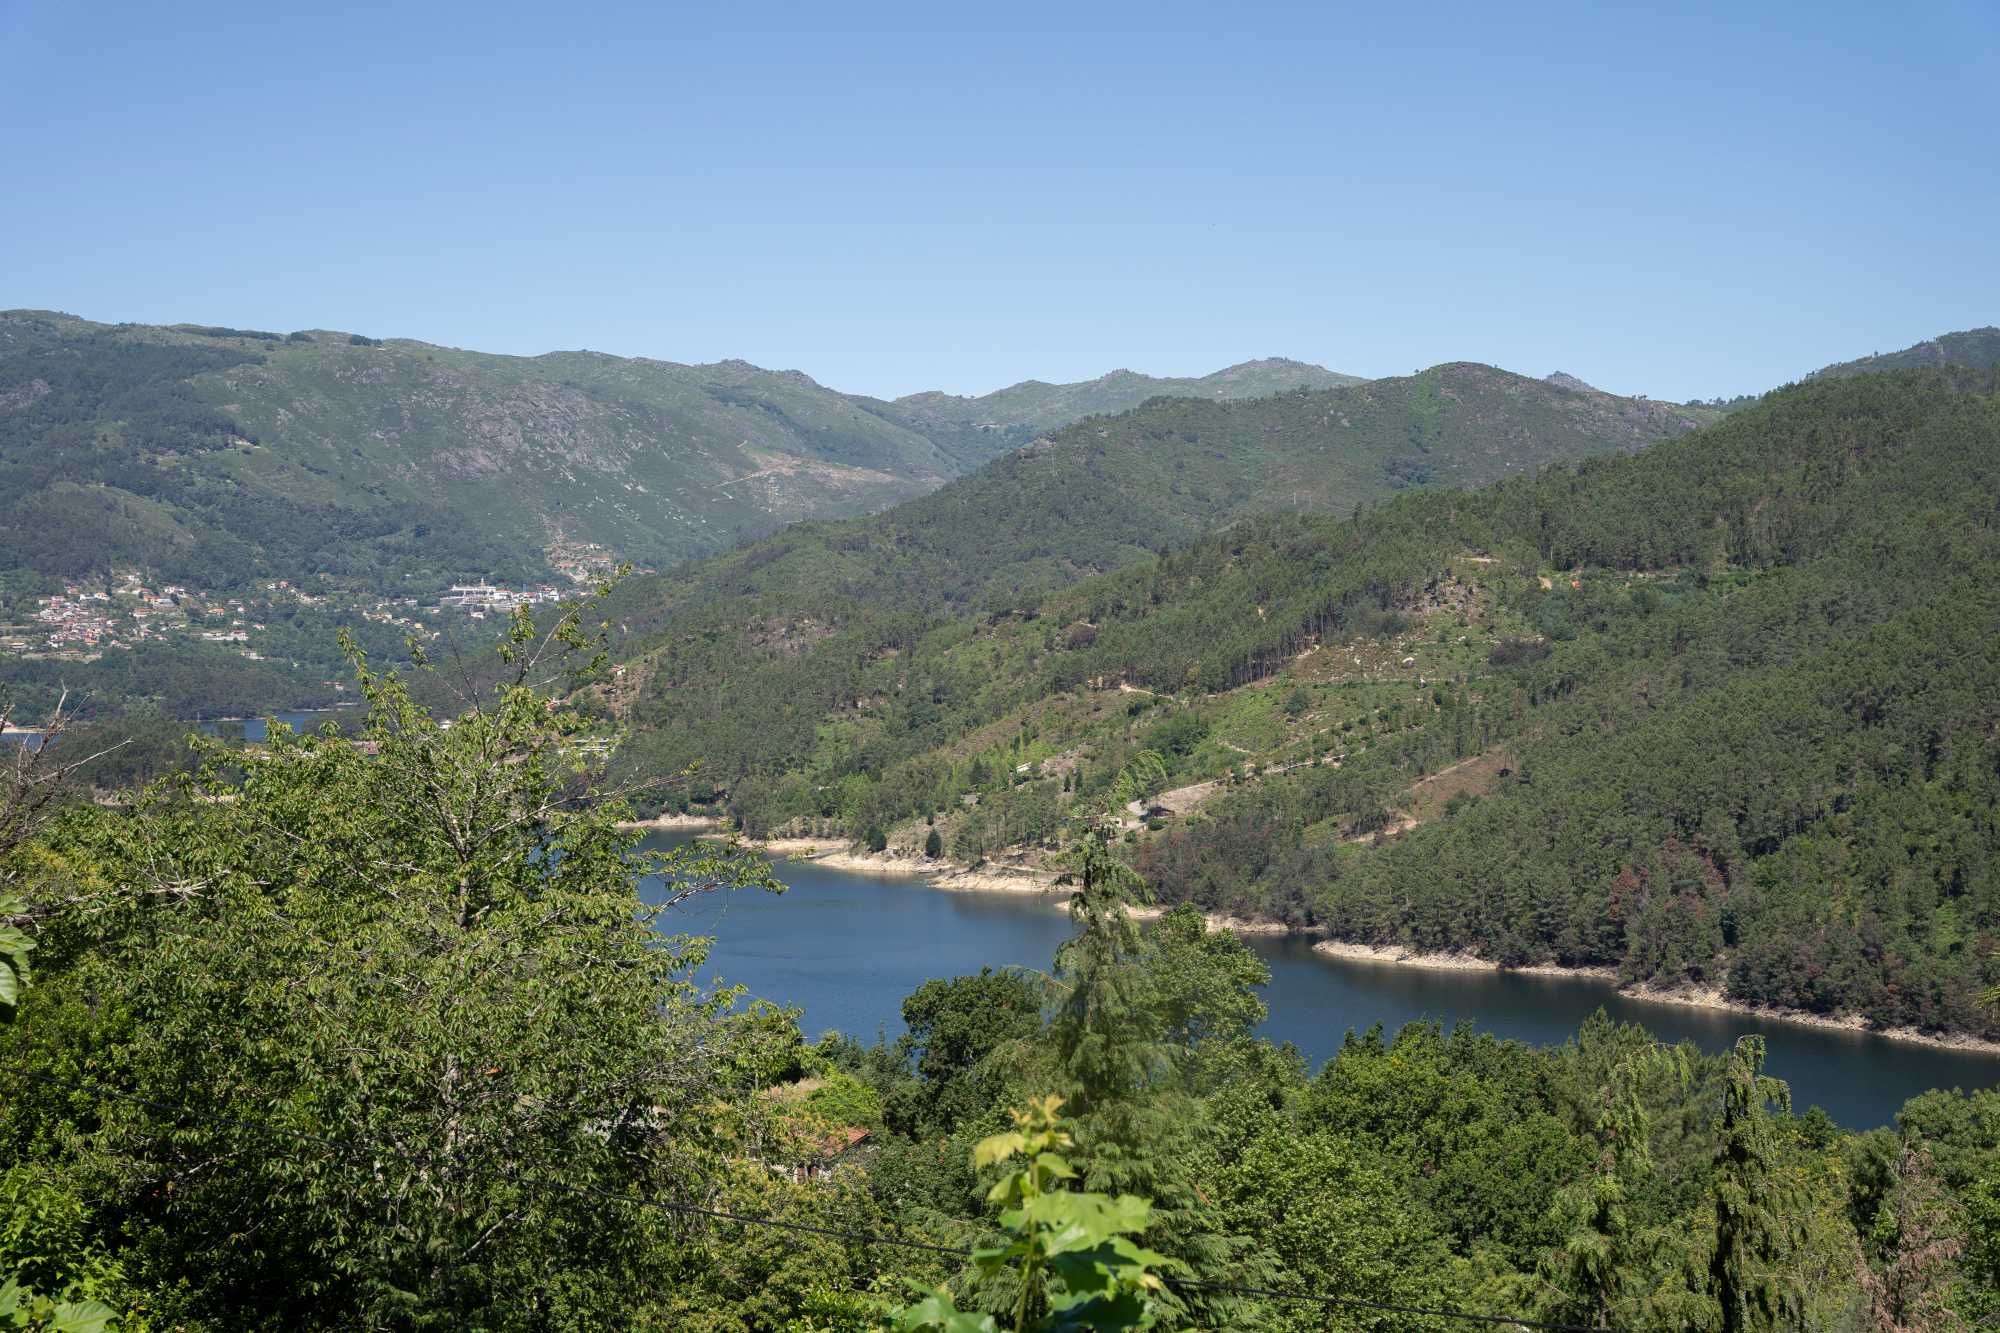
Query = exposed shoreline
x=839 y=854
x=1710 y=998
x=1235 y=925
x=1452 y=962
x=659 y=822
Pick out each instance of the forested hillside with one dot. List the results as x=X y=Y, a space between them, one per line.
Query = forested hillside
x=1112 y=490
x=332 y=1035
x=209 y=455
x=1978 y=348
x=736 y=661
x=1720 y=714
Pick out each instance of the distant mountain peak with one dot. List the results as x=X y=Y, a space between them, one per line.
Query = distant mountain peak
x=1562 y=379
x=974 y=428
x=1269 y=363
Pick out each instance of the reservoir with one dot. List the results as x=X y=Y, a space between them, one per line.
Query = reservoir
x=257 y=729
x=846 y=948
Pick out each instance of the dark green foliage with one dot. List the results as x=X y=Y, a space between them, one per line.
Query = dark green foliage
x=221 y=331
x=176 y=680
x=752 y=652
x=951 y=1028
x=1754 y=1212
x=114 y=455
x=1176 y=737
x=422 y=1019
x=1749 y=726
x=1977 y=348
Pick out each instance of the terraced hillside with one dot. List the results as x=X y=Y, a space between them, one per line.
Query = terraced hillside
x=1720 y=715
x=740 y=653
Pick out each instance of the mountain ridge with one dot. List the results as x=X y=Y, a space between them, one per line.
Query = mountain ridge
x=1978 y=349
x=806 y=605
x=326 y=452
x=980 y=427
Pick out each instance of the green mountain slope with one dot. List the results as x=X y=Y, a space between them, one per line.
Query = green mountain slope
x=1720 y=715
x=974 y=430
x=746 y=656
x=1111 y=490
x=211 y=455
x=1978 y=348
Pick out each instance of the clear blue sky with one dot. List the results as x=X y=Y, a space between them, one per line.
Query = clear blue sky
x=1666 y=199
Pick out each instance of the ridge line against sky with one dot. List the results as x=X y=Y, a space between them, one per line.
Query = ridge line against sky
x=893 y=199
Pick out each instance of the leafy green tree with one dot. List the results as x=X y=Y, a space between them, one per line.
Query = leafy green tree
x=59 y=1276
x=36 y=778
x=406 y=991
x=1336 y=1223
x=1099 y=1028
x=1982 y=1252
x=23 y=1308
x=1135 y=1013
x=1071 y=1258
x=1141 y=779
x=951 y=1027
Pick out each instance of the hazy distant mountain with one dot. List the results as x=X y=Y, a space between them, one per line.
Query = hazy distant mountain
x=1111 y=490
x=212 y=454
x=1978 y=348
x=976 y=429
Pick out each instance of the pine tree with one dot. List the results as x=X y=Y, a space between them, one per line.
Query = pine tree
x=1098 y=1029
x=1595 y=1264
x=1753 y=1226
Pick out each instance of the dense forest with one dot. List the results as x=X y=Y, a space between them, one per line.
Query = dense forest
x=1977 y=348
x=372 y=1028
x=110 y=458
x=379 y=1035
x=1719 y=714
x=1111 y=491
x=209 y=455
x=746 y=655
